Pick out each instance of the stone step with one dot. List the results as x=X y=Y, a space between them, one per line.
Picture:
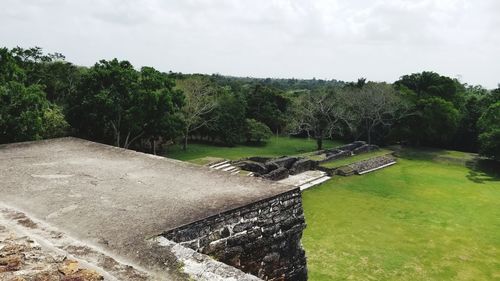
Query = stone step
x=222 y=166
x=314 y=182
x=234 y=169
x=229 y=168
x=303 y=178
x=213 y=166
x=377 y=168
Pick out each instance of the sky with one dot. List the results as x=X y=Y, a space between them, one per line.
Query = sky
x=380 y=40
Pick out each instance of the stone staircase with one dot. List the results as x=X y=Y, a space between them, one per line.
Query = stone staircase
x=226 y=166
x=303 y=180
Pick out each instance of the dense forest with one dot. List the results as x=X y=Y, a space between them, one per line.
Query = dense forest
x=45 y=96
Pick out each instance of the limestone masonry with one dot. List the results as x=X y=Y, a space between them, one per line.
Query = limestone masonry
x=262 y=238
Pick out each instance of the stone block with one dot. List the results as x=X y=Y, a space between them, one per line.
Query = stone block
x=225 y=232
x=302 y=165
x=278 y=174
x=242 y=227
x=271 y=166
x=365 y=148
x=351 y=146
x=337 y=155
x=284 y=162
x=271 y=257
x=252 y=166
x=259 y=159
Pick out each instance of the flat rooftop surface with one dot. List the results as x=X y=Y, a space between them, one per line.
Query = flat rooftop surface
x=117 y=198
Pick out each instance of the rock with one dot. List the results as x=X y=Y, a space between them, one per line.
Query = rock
x=365 y=148
x=259 y=159
x=371 y=163
x=351 y=146
x=252 y=166
x=302 y=165
x=338 y=155
x=285 y=161
x=332 y=151
x=271 y=166
x=345 y=171
x=272 y=257
x=278 y=174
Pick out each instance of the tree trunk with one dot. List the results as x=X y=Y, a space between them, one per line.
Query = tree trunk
x=185 y=143
x=152 y=143
x=319 y=143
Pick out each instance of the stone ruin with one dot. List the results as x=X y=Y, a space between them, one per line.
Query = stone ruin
x=347 y=150
x=276 y=168
x=161 y=215
x=372 y=164
x=280 y=168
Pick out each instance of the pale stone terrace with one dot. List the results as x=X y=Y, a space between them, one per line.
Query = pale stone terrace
x=117 y=198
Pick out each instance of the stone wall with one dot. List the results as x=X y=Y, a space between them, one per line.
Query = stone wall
x=262 y=238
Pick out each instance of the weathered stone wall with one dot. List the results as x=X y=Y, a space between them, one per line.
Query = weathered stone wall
x=262 y=238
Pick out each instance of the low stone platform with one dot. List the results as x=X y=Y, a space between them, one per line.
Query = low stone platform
x=306 y=179
x=372 y=164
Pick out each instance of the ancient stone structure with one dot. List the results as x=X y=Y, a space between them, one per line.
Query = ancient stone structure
x=122 y=200
x=365 y=148
x=262 y=238
x=253 y=166
x=302 y=165
x=351 y=146
x=336 y=154
x=372 y=164
x=277 y=174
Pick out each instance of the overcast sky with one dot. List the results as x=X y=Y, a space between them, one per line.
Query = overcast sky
x=377 y=39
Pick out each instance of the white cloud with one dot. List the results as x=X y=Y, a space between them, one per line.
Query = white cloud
x=377 y=39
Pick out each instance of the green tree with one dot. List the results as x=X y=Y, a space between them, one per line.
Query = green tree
x=267 y=105
x=317 y=114
x=60 y=79
x=257 y=131
x=229 y=124
x=430 y=84
x=368 y=108
x=117 y=104
x=439 y=119
x=54 y=123
x=436 y=102
x=200 y=100
x=489 y=126
x=9 y=68
x=21 y=112
x=475 y=102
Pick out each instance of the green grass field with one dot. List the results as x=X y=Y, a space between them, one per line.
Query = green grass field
x=429 y=217
x=276 y=146
x=426 y=218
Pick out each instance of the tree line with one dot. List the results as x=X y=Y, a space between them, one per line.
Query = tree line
x=45 y=96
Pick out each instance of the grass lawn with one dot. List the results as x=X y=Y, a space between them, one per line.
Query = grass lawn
x=355 y=158
x=420 y=219
x=276 y=146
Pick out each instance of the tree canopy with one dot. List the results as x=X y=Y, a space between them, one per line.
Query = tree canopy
x=489 y=126
x=126 y=104
x=43 y=96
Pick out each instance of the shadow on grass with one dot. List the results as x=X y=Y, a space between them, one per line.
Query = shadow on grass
x=480 y=169
x=435 y=155
x=483 y=170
